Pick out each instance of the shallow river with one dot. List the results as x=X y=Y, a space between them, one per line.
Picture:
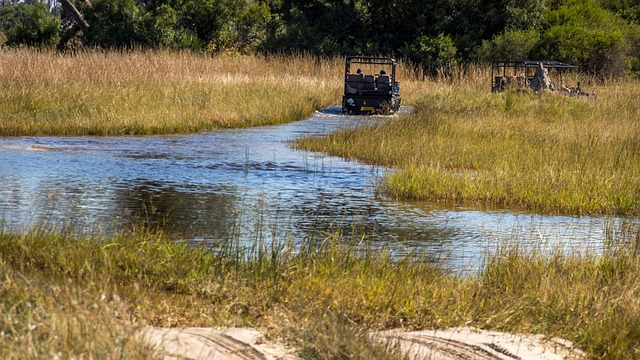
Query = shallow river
x=248 y=185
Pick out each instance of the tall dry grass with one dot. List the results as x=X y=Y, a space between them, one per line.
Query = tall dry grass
x=120 y=93
x=544 y=153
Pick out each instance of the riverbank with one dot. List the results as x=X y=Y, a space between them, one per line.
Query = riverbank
x=546 y=153
x=68 y=295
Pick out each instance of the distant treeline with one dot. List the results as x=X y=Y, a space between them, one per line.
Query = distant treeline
x=602 y=36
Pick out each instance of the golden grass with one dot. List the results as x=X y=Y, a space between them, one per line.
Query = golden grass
x=321 y=294
x=124 y=93
x=543 y=153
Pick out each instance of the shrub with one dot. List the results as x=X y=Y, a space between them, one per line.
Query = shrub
x=33 y=25
x=436 y=54
x=585 y=34
x=514 y=45
x=113 y=23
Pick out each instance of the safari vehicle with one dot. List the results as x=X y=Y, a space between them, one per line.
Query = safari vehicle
x=535 y=75
x=366 y=92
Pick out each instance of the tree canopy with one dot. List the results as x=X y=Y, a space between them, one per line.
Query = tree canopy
x=603 y=36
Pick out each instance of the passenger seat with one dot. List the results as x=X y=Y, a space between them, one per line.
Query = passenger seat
x=369 y=82
x=384 y=82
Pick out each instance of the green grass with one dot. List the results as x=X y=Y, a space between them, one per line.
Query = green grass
x=541 y=153
x=330 y=290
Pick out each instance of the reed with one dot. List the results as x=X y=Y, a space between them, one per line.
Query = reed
x=127 y=93
x=332 y=290
x=542 y=153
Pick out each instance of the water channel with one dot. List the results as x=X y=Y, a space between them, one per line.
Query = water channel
x=248 y=185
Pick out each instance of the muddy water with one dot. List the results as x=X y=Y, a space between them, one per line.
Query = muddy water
x=248 y=185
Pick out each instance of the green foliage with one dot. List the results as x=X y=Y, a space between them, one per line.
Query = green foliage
x=113 y=23
x=436 y=54
x=514 y=45
x=212 y=20
x=583 y=33
x=320 y=27
x=187 y=39
x=251 y=26
x=598 y=35
x=30 y=25
x=524 y=15
x=633 y=40
x=157 y=28
x=627 y=9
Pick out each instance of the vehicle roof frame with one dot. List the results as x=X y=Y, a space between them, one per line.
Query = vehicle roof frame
x=501 y=68
x=371 y=60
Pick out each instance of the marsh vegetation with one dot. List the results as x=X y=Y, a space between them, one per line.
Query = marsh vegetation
x=65 y=295
x=142 y=93
x=544 y=153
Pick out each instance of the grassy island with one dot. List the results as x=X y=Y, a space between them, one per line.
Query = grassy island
x=543 y=153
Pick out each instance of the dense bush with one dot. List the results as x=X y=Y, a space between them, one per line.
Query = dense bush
x=30 y=25
x=516 y=45
x=113 y=23
x=583 y=33
x=436 y=54
x=602 y=36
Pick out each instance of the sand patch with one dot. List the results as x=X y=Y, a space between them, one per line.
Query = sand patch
x=456 y=343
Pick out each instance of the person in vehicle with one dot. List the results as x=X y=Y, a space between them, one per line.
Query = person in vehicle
x=383 y=81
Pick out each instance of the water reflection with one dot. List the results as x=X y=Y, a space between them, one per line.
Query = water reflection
x=244 y=185
x=181 y=212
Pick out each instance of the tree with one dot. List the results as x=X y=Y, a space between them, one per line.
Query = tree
x=30 y=25
x=524 y=14
x=513 y=45
x=320 y=27
x=583 y=33
x=210 y=20
x=157 y=27
x=113 y=23
x=250 y=27
x=436 y=54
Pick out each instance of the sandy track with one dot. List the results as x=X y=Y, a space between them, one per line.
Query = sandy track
x=458 y=343
x=469 y=343
x=207 y=343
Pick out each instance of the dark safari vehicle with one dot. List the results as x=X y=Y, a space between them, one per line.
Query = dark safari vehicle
x=370 y=93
